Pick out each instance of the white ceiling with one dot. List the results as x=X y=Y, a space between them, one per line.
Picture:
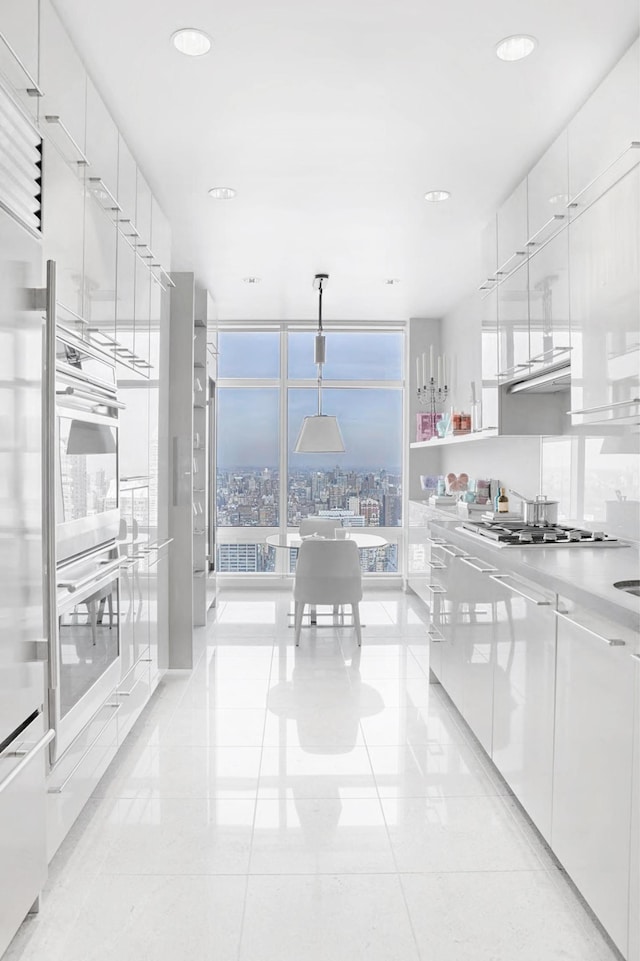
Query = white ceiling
x=331 y=120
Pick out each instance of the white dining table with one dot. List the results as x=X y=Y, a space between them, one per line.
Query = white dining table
x=292 y=540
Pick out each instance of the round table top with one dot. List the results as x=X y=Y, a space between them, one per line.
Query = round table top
x=362 y=540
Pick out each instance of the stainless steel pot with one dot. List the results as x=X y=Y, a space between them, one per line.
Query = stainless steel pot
x=540 y=511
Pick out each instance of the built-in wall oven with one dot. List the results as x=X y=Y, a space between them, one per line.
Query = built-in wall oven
x=85 y=562
x=86 y=450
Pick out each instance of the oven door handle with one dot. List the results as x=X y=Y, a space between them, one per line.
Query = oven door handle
x=103 y=400
x=73 y=586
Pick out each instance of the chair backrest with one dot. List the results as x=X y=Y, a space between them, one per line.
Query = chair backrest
x=328 y=572
x=326 y=526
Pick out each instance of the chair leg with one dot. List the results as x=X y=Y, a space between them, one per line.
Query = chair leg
x=355 y=608
x=91 y=607
x=297 y=619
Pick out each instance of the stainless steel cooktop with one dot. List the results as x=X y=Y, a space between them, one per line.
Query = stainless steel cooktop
x=518 y=534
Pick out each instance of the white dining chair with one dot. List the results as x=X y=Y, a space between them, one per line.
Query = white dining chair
x=325 y=526
x=327 y=572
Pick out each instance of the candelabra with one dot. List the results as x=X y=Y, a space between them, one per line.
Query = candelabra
x=431 y=398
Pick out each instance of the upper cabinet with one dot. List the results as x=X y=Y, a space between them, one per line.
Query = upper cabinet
x=605 y=300
x=549 y=328
x=547 y=193
x=604 y=129
x=63 y=80
x=143 y=213
x=19 y=38
x=101 y=149
x=513 y=231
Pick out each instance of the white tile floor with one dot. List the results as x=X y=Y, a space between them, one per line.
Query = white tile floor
x=325 y=803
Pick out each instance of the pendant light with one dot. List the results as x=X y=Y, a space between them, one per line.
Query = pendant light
x=320 y=433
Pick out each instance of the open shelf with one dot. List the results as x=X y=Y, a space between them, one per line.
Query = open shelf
x=456 y=439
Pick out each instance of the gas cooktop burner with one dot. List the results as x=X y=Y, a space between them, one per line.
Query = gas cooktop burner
x=517 y=534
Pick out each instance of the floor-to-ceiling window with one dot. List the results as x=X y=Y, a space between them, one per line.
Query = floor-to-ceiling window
x=267 y=383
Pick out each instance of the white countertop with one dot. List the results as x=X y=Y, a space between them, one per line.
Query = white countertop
x=585 y=574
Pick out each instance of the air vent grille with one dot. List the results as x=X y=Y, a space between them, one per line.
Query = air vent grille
x=20 y=164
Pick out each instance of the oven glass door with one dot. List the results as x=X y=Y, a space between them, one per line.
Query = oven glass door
x=87 y=466
x=89 y=642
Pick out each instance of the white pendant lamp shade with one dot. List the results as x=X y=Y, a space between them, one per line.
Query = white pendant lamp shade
x=320 y=433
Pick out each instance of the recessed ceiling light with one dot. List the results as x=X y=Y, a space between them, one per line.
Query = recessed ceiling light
x=516 y=47
x=390 y=281
x=222 y=193
x=191 y=42
x=437 y=196
x=251 y=280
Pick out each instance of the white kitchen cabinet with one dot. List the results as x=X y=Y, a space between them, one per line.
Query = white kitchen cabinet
x=160 y=235
x=549 y=327
x=514 y=350
x=19 y=38
x=143 y=212
x=489 y=250
x=125 y=294
x=592 y=780
x=634 y=849
x=605 y=126
x=101 y=149
x=523 y=692
x=141 y=314
x=99 y=282
x=63 y=203
x=474 y=600
x=604 y=254
x=126 y=193
x=513 y=230
x=63 y=80
x=548 y=193
x=444 y=587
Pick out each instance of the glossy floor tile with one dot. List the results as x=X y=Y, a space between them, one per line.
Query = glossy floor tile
x=324 y=802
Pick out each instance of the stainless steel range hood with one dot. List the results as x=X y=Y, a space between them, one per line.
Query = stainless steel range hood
x=551 y=380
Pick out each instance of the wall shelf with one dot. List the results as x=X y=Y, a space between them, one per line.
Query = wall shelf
x=472 y=437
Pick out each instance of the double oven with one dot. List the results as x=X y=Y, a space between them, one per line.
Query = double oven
x=81 y=472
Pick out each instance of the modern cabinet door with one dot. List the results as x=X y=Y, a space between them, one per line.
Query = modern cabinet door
x=445 y=617
x=160 y=235
x=100 y=248
x=126 y=194
x=474 y=595
x=548 y=193
x=141 y=313
x=63 y=199
x=604 y=255
x=490 y=360
x=489 y=250
x=143 y=212
x=513 y=324
x=19 y=37
x=634 y=866
x=63 y=80
x=523 y=693
x=125 y=294
x=101 y=149
x=513 y=229
x=591 y=817
x=605 y=126
x=549 y=329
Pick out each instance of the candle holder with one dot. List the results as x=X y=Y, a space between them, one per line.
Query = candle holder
x=431 y=398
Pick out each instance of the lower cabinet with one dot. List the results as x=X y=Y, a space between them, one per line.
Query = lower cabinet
x=634 y=881
x=594 y=735
x=523 y=693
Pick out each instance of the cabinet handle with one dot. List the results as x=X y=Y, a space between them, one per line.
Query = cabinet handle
x=53 y=118
x=33 y=89
x=436 y=567
x=436 y=589
x=611 y=641
x=481 y=570
x=435 y=635
x=636 y=657
x=532 y=241
x=593 y=410
x=27 y=759
x=436 y=540
x=500 y=579
x=452 y=552
x=100 y=186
